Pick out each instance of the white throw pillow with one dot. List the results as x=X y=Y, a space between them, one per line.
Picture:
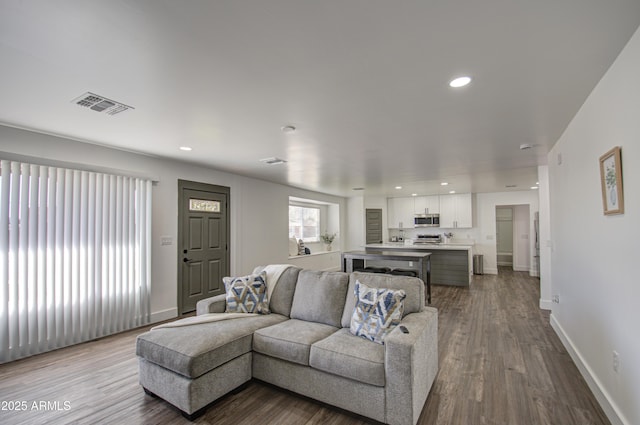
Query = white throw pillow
x=377 y=311
x=293 y=247
x=247 y=294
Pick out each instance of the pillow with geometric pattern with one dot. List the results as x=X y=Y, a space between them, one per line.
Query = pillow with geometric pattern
x=247 y=294
x=377 y=311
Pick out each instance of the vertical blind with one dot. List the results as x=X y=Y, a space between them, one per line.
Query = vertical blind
x=74 y=256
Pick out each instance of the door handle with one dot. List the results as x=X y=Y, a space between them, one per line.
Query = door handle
x=186 y=260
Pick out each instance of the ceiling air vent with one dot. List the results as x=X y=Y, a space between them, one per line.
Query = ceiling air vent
x=273 y=161
x=99 y=103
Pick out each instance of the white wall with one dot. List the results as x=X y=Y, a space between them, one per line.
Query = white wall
x=545 y=238
x=486 y=223
x=259 y=209
x=356 y=235
x=594 y=263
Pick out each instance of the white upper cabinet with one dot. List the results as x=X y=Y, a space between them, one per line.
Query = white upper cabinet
x=427 y=204
x=456 y=211
x=400 y=213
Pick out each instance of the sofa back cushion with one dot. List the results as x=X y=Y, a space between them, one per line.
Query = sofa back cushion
x=320 y=297
x=412 y=286
x=282 y=295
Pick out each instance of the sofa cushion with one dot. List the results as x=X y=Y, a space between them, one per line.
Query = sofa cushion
x=290 y=340
x=282 y=295
x=377 y=312
x=320 y=297
x=412 y=286
x=194 y=350
x=247 y=294
x=349 y=356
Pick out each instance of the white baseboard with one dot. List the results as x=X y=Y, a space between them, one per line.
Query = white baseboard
x=521 y=269
x=602 y=396
x=488 y=270
x=163 y=315
x=546 y=304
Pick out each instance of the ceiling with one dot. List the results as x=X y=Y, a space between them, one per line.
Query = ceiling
x=365 y=83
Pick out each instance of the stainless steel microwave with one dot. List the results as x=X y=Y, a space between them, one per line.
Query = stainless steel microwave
x=426 y=220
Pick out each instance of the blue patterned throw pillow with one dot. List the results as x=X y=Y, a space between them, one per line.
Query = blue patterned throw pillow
x=377 y=311
x=247 y=294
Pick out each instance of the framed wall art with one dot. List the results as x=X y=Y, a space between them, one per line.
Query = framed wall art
x=611 y=181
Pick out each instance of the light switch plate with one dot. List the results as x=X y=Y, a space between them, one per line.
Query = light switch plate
x=166 y=240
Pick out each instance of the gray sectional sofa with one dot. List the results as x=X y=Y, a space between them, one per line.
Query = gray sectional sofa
x=304 y=346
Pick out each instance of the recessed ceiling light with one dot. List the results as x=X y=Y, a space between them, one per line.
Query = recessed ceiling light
x=534 y=187
x=444 y=184
x=398 y=187
x=538 y=183
x=460 y=82
x=452 y=191
x=288 y=129
x=525 y=146
x=185 y=148
x=414 y=194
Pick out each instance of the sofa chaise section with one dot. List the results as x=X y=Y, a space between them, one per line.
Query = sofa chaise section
x=188 y=365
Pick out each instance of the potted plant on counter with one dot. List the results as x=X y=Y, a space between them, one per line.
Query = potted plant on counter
x=328 y=239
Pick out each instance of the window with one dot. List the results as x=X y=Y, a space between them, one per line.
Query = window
x=204 y=205
x=304 y=223
x=74 y=256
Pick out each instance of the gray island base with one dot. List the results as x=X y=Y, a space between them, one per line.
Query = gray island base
x=450 y=264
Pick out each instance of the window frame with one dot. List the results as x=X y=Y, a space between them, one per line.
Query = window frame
x=316 y=238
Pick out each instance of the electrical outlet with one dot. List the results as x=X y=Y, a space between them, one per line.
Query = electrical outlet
x=556 y=299
x=166 y=240
x=410 y=263
x=616 y=361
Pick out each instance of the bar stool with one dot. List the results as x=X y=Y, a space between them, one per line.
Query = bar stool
x=404 y=272
x=371 y=269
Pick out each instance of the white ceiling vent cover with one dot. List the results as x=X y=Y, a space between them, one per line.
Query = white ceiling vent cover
x=273 y=161
x=99 y=103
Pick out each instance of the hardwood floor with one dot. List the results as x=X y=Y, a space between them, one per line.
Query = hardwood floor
x=500 y=363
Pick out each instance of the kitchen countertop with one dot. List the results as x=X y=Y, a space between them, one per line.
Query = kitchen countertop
x=417 y=247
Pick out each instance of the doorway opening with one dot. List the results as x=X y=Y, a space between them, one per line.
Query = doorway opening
x=513 y=228
x=504 y=236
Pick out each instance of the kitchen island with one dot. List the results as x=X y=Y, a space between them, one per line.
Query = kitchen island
x=354 y=260
x=451 y=264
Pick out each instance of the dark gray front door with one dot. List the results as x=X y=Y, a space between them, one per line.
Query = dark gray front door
x=373 y=225
x=203 y=240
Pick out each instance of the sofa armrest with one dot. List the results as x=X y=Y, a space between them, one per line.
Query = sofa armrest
x=411 y=366
x=217 y=304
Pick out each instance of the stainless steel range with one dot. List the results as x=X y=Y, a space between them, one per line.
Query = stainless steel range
x=428 y=239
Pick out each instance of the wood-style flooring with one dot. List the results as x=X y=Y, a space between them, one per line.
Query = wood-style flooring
x=500 y=363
